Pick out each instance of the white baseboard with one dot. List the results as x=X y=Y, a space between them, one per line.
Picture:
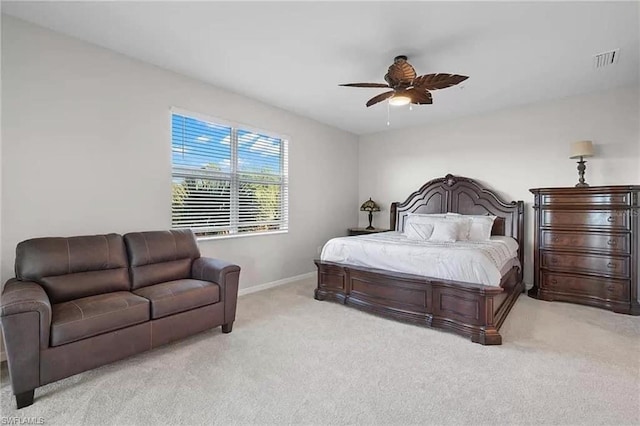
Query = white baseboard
x=265 y=286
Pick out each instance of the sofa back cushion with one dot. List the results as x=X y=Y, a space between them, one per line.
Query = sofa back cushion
x=75 y=267
x=160 y=256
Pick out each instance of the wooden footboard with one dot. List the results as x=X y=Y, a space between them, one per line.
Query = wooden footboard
x=470 y=310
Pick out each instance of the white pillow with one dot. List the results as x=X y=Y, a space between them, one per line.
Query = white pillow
x=432 y=215
x=445 y=231
x=419 y=227
x=481 y=216
x=431 y=218
x=421 y=219
x=464 y=225
x=418 y=231
x=481 y=228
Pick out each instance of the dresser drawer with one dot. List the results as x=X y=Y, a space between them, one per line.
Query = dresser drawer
x=586 y=199
x=617 y=267
x=604 y=219
x=586 y=286
x=611 y=243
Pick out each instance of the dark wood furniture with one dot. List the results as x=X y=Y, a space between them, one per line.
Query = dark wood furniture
x=587 y=245
x=472 y=310
x=364 y=231
x=81 y=302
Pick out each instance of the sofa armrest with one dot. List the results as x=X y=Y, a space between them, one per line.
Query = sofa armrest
x=226 y=275
x=20 y=297
x=25 y=315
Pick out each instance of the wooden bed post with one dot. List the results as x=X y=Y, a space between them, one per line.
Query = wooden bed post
x=393 y=210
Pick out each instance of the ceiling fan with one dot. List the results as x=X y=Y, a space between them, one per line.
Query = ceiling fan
x=407 y=86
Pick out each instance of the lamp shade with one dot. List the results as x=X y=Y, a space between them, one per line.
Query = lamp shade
x=369 y=206
x=581 y=149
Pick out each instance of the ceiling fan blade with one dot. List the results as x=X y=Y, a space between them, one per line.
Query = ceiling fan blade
x=437 y=81
x=419 y=96
x=364 y=85
x=379 y=98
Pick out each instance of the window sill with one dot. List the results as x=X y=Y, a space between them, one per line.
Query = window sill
x=245 y=235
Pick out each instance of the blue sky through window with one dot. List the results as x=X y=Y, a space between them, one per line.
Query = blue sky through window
x=200 y=144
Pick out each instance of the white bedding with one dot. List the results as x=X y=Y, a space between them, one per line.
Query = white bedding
x=481 y=262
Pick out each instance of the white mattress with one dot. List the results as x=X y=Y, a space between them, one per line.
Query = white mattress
x=480 y=262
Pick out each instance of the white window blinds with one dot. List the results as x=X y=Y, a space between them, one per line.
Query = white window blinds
x=227 y=180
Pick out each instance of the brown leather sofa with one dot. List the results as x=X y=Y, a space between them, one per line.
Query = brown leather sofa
x=81 y=302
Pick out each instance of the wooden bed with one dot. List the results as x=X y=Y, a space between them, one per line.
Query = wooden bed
x=472 y=310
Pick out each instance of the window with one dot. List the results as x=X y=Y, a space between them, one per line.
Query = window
x=227 y=180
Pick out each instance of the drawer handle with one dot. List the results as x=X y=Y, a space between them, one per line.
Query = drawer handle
x=553 y=281
x=612 y=242
x=611 y=219
x=555 y=239
x=611 y=287
x=611 y=265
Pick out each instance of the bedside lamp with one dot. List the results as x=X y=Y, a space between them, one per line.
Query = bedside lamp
x=370 y=206
x=581 y=149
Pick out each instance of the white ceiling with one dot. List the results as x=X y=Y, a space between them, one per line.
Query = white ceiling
x=294 y=55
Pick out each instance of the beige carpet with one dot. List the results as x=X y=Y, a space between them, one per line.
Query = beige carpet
x=294 y=360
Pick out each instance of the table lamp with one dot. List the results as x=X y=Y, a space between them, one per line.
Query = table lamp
x=370 y=206
x=581 y=149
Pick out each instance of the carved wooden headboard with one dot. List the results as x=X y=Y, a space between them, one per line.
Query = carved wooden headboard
x=456 y=194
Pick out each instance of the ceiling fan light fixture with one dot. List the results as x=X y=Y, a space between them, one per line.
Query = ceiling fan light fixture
x=399 y=100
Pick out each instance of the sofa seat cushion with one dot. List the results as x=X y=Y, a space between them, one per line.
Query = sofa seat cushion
x=89 y=316
x=177 y=296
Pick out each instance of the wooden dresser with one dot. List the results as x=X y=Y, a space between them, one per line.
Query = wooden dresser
x=587 y=246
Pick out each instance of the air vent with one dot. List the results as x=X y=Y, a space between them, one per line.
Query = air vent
x=606 y=59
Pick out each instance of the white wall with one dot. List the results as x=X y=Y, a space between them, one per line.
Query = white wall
x=86 y=149
x=2 y=353
x=510 y=151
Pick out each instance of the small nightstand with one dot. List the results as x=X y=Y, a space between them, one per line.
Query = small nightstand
x=364 y=231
